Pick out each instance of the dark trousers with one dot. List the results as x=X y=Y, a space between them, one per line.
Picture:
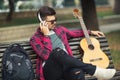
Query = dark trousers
x=59 y=64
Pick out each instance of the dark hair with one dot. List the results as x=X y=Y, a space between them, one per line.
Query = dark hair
x=45 y=11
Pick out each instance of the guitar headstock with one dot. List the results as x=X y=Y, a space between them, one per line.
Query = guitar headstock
x=76 y=13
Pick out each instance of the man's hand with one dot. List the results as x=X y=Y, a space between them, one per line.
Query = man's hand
x=44 y=28
x=97 y=33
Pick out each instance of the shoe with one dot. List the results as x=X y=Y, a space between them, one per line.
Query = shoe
x=102 y=74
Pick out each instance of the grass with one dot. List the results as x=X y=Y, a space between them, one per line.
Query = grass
x=19 y=21
x=114 y=43
x=104 y=13
x=33 y=20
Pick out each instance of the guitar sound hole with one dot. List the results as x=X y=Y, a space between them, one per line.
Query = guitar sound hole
x=91 y=46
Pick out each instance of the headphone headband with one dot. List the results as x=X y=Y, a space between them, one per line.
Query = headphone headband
x=39 y=17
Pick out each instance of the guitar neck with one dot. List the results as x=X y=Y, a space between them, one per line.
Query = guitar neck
x=85 y=31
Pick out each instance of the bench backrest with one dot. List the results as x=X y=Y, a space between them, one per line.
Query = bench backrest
x=74 y=44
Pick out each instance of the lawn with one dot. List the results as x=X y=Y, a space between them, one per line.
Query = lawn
x=34 y=20
x=114 y=42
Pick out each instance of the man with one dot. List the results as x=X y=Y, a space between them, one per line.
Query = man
x=54 y=56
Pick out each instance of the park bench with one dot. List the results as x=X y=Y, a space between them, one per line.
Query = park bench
x=74 y=44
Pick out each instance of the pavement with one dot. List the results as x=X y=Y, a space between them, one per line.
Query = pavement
x=110 y=27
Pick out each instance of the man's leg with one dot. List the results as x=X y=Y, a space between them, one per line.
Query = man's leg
x=65 y=59
x=52 y=70
x=71 y=62
x=74 y=74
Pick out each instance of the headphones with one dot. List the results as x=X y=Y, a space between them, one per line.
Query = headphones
x=39 y=17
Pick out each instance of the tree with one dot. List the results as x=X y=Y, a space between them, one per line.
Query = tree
x=89 y=14
x=117 y=7
x=11 y=10
x=1 y=4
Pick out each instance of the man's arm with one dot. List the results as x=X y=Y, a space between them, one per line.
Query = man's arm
x=42 y=48
x=79 y=33
x=74 y=33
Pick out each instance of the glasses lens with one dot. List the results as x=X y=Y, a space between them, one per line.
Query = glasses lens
x=52 y=21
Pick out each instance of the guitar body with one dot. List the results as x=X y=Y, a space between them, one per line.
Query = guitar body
x=94 y=56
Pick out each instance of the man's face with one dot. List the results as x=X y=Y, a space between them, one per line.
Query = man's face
x=51 y=21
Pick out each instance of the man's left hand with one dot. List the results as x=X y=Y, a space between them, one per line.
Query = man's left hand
x=97 y=33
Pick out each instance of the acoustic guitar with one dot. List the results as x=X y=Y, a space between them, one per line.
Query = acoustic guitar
x=91 y=47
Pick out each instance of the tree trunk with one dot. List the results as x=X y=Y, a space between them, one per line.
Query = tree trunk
x=11 y=10
x=117 y=7
x=89 y=14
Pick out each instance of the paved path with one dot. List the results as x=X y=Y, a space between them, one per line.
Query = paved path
x=110 y=27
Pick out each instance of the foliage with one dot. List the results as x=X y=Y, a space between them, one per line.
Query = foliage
x=24 y=6
x=101 y=2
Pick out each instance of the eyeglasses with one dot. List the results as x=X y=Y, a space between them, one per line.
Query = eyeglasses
x=52 y=21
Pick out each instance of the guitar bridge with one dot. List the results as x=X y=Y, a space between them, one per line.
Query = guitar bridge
x=92 y=60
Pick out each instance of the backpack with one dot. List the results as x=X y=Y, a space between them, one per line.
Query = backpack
x=16 y=64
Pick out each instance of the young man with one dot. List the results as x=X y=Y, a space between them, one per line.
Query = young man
x=54 y=56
